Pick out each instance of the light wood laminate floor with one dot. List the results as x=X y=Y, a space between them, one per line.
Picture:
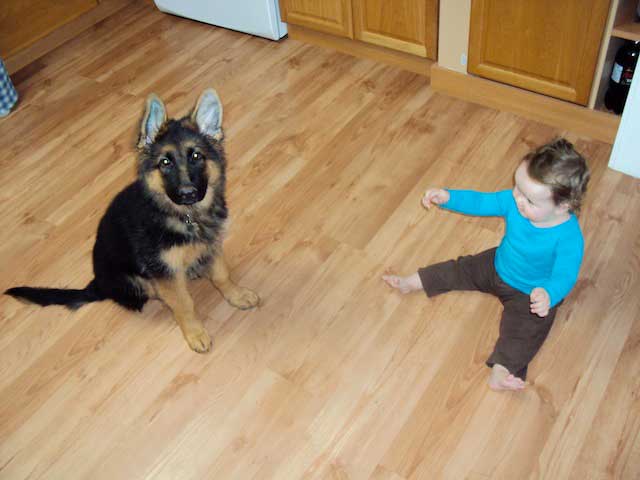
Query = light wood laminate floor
x=335 y=375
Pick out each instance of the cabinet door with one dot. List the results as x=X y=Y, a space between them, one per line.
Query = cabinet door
x=547 y=46
x=330 y=16
x=406 y=25
x=23 y=22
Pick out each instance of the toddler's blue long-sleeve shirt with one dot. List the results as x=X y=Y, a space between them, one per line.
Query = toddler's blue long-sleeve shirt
x=528 y=256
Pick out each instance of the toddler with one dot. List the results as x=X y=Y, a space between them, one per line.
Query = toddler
x=536 y=264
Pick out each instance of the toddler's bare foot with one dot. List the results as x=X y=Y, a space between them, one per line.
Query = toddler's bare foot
x=404 y=284
x=501 y=379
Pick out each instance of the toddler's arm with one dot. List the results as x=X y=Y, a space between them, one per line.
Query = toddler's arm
x=564 y=273
x=470 y=202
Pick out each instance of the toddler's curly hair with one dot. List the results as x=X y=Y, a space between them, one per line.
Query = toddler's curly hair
x=558 y=165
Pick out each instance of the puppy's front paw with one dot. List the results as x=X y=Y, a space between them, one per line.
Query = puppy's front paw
x=243 y=298
x=198 y=340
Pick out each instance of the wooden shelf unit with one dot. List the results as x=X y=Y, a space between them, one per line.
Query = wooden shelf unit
x=621 y=26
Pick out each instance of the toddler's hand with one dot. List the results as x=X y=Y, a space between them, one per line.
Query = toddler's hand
x=436 y=196
x=540 y=302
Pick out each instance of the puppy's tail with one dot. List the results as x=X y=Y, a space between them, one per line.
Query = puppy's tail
x=70 y=298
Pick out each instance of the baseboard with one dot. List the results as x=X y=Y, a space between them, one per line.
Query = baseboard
x=63 y=34
x=558 y=113
x=402 y=60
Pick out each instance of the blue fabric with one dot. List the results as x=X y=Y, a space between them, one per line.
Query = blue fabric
x=8 y=94
x=528 y=256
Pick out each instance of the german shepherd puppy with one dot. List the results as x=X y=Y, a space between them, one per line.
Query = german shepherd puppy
x=166 y=227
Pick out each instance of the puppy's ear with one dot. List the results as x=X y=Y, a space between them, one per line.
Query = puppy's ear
x=154 y=116
x=207 y=114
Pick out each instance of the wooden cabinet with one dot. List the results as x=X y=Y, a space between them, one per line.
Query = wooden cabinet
x=409 y=26
x=23 y=22
x=329 y=16
x=547 y=46
x=406 y=25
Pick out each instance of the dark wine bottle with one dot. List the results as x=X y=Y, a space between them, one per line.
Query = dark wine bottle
x=621 y=76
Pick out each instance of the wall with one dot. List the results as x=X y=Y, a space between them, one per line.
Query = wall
x=453 y=41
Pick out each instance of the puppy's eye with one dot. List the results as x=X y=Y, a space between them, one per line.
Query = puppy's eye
x=196 y=156
x=165 y=162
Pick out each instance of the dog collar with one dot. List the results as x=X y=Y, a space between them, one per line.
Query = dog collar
x=191 y=224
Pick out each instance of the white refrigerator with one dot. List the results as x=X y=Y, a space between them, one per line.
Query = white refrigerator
x=257 y=17
x=625 y=156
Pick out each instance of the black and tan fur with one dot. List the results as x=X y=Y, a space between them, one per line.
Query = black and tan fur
x=167 y=226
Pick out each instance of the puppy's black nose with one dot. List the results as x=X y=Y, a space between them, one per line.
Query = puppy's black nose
x=188 y=193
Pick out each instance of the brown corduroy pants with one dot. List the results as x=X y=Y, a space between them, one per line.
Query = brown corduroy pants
x=522 y=333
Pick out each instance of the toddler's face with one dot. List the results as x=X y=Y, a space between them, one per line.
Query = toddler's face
x=535 y=200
